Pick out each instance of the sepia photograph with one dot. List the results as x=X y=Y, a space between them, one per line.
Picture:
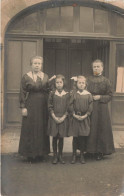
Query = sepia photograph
x=62 y=98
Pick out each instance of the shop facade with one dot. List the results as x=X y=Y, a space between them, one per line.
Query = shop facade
x=69 y=35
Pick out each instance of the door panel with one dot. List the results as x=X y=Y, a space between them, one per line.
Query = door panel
x=13 y=110
x=75 y=62
x=49 y=62
x=29 y=49
x=18 y=55
x=14 y=65
x=61 y=63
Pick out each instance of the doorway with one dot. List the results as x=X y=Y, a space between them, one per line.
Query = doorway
x=72 y=57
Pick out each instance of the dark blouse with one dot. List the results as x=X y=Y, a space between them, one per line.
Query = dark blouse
x=99 y=85
x=29 y=86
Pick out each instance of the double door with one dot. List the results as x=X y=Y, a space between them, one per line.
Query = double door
x=67 y=58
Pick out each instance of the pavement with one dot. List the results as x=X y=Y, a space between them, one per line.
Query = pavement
x=95 y=178
x=10 y=140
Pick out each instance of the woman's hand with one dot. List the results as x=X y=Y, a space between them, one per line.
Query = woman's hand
x=24 y=112
x=74 y=78
x=52 y=78
x=96 y=97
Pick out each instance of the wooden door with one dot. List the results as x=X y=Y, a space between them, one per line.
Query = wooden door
x=17 y=63
x=67 y=58
x=56 y=58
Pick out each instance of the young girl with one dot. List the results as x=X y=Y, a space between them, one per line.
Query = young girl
x=58 y=121
x=81 y=104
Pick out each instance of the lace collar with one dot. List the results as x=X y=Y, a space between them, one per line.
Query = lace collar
x=84 y=92
x=60 y=94
x=34 y=76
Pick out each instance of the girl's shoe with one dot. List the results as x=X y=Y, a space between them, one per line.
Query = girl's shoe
x=61 y=160
x=55 y=159
x=99 y=156
x=73 y=159
x=82 y=160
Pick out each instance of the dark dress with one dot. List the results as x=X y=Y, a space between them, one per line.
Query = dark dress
x=33 y=96
x=83 y=104
x=58 y=105
x=100 y=139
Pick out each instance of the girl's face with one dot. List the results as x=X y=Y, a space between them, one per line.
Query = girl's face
x=36 y=65
x=81 y=84
x=59 y=84
x=97 y=68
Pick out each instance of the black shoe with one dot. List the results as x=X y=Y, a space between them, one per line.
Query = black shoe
x=82 y=160
x=61 y=160
x=99 y=156
x=55 y=159
x=73 y=159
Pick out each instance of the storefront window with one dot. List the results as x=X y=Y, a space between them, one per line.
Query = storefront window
x=120 y=68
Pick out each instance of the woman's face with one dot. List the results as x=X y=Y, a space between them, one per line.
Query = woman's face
x=81 y=84
x=97 y=68
x=59 y=84
x=37 y=65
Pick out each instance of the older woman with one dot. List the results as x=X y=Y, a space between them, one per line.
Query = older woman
x=100 y=140
x=34 y=142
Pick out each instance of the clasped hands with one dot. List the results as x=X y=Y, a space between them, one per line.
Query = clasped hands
x=58 y=120
x=80 y=118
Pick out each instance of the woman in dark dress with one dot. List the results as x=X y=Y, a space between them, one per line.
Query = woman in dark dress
x=100 y=140
x=34 y=142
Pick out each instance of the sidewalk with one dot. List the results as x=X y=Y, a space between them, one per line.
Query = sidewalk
x=10 y=140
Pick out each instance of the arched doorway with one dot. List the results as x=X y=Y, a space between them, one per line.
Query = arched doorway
x=69 y=37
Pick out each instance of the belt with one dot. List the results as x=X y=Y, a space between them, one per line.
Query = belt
x=80 y=113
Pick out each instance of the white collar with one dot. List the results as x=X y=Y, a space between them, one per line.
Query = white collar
x=39 y=74
x=60 y=94
x=84 y=92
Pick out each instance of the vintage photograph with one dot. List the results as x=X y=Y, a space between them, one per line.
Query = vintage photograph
x=62 y=97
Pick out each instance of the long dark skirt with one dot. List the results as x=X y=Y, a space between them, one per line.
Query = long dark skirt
x=101 y=137
x=34 y=140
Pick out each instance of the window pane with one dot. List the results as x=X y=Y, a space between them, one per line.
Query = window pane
x=86 y=19
x=31 y=22
x=101 y=21
x=67 y=19
x=52 y=19
x=17 y=25
x=120 y=25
